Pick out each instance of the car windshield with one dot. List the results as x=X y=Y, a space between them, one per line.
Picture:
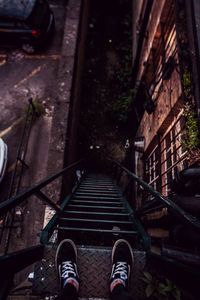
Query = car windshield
x=16 y=9
x=37 y=16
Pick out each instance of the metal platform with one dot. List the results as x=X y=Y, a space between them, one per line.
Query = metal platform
x=94 y=266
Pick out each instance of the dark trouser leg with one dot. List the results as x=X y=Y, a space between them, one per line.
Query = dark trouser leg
x=69 y=292
x=120 y=293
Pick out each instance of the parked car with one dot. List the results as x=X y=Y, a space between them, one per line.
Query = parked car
x=3 y=158
x=26 y=23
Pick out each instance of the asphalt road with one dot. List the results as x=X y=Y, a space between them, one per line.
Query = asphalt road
x=23 y=76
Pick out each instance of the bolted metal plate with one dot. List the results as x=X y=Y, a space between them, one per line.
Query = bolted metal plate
x=94 y=266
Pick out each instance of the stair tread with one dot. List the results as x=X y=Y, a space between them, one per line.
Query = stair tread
x=92 y=206
x=96 y=202
x=113 y=231
x=95 y=197
x=96 y=220
x=98 y=213
x=79 y=192
x=94 y=279
x=97 y=184
x=95 y=188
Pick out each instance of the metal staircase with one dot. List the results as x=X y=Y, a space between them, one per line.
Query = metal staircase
x=97 y=210
x=97 y=213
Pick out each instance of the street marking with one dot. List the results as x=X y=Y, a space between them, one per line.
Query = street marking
x=32 y=74
x=28 y=56
x=53 y=56
x=11 y=127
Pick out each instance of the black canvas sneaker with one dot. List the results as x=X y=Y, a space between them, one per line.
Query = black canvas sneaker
x=66 y=264
x=122 y=262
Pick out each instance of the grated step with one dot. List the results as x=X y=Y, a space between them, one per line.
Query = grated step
x=98 y=184
x=95 y=194
x=103 y=215
x=94 y=266
x=96 y=198
x=113 y=231
x=96 y=223
x=93 y=202
x=97 y=190
x=88 y=208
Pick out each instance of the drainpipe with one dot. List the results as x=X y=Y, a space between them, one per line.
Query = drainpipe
x=141 y=39
x=194 y=43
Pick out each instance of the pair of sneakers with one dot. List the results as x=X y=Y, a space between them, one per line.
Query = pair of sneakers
x=66 y=264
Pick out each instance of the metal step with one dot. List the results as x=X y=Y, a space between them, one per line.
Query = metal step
x=86 y=197
x=98 y=231
x=95 y=194
x=94 y=267
x=97 y=184
x=89 y=208
x=94 y=202
x=121 y=216
x=95 y=223
x=98 y=181
x=97 y=191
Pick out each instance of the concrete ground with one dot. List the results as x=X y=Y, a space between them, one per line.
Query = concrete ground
x=23 y=76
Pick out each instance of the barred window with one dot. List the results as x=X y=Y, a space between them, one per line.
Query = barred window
x=167 y=158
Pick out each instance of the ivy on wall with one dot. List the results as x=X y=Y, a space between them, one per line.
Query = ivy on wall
x=191 y=140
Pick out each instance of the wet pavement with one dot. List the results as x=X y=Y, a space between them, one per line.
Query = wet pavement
x=23 y=76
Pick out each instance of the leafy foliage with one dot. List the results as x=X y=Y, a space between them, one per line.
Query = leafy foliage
x=160 y=288
x=124 y=93
x=191 y=140
x=38 y=107
x=122 y=106
x=37 y=111
x=187 y=83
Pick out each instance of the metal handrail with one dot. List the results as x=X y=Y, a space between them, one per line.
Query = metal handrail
x=166 y=202
x=34 y=190
x=17 y=174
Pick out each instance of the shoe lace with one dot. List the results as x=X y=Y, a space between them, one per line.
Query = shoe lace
x=68 y=269
x=121 y=268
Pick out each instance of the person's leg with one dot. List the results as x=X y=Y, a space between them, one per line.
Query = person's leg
x=66 y=265
x=122 y=262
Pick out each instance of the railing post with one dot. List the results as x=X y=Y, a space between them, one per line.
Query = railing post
x=43 y=197
x=15 y=262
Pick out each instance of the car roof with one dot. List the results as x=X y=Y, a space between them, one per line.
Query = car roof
x=16 y=8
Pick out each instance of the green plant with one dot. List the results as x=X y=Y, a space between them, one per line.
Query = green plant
x=37 y=109
x=122 y=106
x=191 y=139
x=160 y=288
x=187 y=83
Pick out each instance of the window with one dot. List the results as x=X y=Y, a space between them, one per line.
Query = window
x=152 y=169
x=167 y=158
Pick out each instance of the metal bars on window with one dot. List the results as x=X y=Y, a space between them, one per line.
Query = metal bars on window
x=167 y=158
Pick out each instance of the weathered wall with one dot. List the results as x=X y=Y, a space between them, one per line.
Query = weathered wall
x=137 y=6
x=151 y=124
x=69 y=74
x=167 y=93
x=154 y=20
